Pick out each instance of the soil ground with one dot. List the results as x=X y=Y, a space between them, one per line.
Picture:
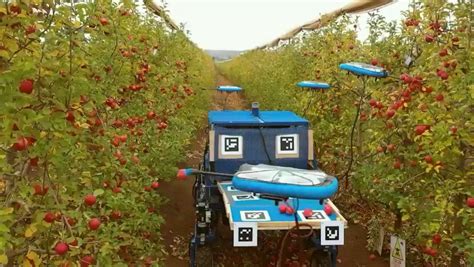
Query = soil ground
x=179 y=217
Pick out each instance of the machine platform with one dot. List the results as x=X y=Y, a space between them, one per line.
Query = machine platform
x=243 y=206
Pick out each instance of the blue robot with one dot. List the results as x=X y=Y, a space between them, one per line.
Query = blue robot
x=259 y=173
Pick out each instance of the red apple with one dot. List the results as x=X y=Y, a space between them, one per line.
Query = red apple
x=433 y=252
x=428 y=89
x=71 y=221
x=70 y=116
x=34 y=161
x=117 y=190
x=442 y=74
x=307 y=212
x=470 y=202
x=116 y=214
x=391 y=147
x=379 y=105
x=397 y=164
x=372 y=102
x=436 y=239
x=94 y=223
x=290 y=210
x=61 y=248
x=429 y=38
x=103 y=21
x=282 y=208
x=26 y=86
x=453 y=130
x=116 y=141
x=372 y=257
x=86 y=261
x=74 y=243
x=327 y=209
x=421 y=129
x=21 y=144
x=162 y=125
x=40 y=190
x=30 y=29
x=15 y=9
x=90 y=200
x=428 y=159
x=150 y=115
x=374 y=62
x=443 y=52
x=135 y=159
x=117 y=123
x=122 y=138
x=155 y=185
x=406 y=78
x=439 y=97
x=49 y=217
x=390 y=113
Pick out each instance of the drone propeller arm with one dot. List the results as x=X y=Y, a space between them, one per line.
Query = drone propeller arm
x=183 y=173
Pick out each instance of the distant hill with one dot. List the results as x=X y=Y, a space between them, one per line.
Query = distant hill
x=220 y=55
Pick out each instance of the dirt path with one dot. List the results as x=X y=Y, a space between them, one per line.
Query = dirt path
x=179 y=216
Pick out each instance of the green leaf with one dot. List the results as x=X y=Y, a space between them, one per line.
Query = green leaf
x=98 y=192
x=3 y=259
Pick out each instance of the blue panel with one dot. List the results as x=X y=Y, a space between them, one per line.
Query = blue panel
x=229 y=88
x=269 y=206
x=245 y=118
x=272 y=209
x=364 y=69
x=254 y=150
x=281 y=117
x=313 y=85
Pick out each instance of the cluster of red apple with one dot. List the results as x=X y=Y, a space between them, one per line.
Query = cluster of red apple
x=435 y=240
x=287 y=209
x=22 y=143
x=62 y=247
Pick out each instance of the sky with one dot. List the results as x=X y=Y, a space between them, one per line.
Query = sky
x=246 y=24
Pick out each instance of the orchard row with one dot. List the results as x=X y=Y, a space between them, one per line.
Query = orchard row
x=411 y=132
x=98 y=103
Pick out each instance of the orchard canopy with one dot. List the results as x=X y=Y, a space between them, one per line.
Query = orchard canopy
x=99 y=101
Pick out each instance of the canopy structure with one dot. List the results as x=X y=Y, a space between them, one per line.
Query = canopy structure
x=159 y=11
x=355 y=6
x=313 y=85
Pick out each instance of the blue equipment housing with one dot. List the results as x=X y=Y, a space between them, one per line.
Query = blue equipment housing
x=256 y=139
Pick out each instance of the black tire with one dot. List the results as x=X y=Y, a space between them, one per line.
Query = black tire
x=321 y=258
